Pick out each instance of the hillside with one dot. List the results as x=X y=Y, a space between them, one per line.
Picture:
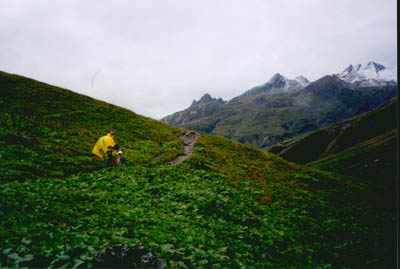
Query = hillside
x=46 y=130
x=263 y=119
x=228 y=205
x=339 y=136
x=374 y=159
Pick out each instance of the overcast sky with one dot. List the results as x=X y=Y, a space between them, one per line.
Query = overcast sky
x=155 y=57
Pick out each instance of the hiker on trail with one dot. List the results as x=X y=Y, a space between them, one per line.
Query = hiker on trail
x=106 y=148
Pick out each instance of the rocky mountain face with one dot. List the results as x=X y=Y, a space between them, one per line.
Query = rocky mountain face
x=284 y=108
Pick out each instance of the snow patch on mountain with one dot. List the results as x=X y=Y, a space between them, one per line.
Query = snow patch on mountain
x=370 y=74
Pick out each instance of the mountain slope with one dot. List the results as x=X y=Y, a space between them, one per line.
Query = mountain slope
x=228 y=205
x=374 y=159
x=364 y=147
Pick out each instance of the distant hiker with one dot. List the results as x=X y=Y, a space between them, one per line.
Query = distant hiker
x=106 y=148
x=120 y=159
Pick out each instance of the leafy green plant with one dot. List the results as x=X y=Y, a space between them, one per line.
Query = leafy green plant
x=228 y=205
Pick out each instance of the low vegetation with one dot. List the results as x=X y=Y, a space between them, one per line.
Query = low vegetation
x=228 y=205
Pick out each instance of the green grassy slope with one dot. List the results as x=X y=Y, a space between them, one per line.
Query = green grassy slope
x=46 y=130
x=322 y=209
x=197 y=218
x=228 y=205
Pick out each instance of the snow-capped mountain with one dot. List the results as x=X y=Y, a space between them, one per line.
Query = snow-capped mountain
x=277 y=84
x=370 y=74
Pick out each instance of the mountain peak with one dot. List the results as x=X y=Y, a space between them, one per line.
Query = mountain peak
x=277 y=84
x=325 y=87
x=375 y=66
x=278 y=80
x=277 y=76
x=348 y=69
x=370 y=74
x=206 y=98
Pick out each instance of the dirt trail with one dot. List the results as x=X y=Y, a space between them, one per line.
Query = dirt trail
x=189 y=139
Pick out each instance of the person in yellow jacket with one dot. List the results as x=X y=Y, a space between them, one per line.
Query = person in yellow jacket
x=105 y=148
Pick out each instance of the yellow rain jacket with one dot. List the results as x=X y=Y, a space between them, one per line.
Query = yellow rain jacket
x=104 y=144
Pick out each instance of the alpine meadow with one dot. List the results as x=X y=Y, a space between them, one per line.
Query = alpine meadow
x=227 y=205
x=174 y=134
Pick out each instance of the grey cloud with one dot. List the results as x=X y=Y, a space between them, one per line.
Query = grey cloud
x=157 y=56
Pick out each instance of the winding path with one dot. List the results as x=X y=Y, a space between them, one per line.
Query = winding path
x=189 y=139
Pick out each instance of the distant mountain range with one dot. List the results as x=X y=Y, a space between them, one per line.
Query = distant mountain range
x=283 y=108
